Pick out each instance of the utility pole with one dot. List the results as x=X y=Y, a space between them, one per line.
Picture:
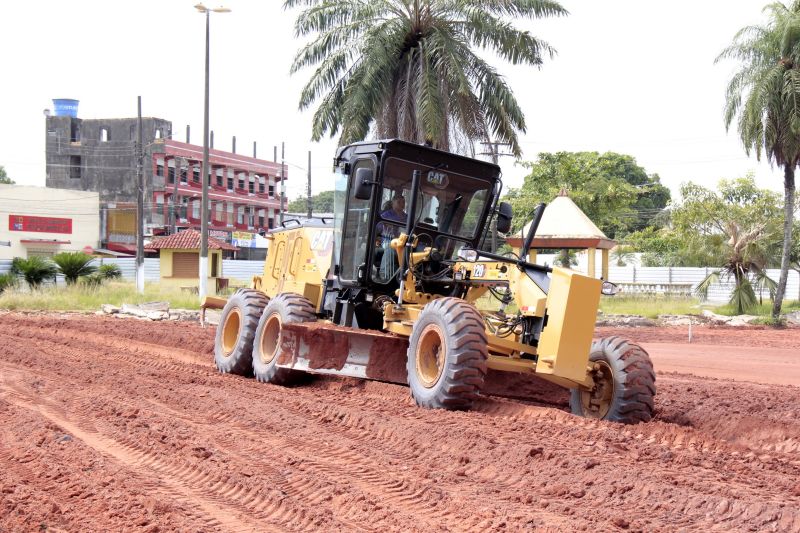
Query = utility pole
x=283 y=182
x=139 y=202
x=308 y=191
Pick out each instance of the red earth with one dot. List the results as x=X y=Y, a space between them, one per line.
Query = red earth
x=121 y=424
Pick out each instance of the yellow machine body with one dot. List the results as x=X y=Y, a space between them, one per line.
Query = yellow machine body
x=299 y=259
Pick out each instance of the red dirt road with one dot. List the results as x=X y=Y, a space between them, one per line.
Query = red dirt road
x=112 y=424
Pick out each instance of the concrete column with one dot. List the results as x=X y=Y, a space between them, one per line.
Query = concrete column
x=592 y=252
x=531 y=256
x=604 y=267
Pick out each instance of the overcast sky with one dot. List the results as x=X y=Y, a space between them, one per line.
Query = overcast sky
x=631 y=76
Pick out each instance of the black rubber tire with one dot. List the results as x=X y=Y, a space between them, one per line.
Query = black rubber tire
x=249 y=303
x=464 y=364
x=634 y=381
x=290 y=307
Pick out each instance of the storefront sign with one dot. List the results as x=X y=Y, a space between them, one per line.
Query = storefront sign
x=244 y=239
x=39 y=224
x=220 y=235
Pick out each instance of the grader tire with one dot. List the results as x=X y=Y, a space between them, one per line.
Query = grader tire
x=447 y=355
x=233 y=345
x=283 y=309
x=625 y=384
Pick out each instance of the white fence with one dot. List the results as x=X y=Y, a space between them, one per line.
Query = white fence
x=720 y=292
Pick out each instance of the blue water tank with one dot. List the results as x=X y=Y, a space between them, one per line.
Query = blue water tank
x=65 y=107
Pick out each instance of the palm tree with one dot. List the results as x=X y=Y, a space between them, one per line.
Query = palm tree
x=765 y=96
x=34 y=269
x=408 y=69
x=74 y=265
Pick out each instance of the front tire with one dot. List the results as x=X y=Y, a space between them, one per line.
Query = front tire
x=285 y=308
x=625 y=384
x=447 y=354
x=233 y=345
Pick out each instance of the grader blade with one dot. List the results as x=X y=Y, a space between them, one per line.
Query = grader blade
x=327 y=349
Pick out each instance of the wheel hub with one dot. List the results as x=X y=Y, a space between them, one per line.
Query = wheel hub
x=430 y=355
x=597 y=402
x=270 y=338
x=230 y=331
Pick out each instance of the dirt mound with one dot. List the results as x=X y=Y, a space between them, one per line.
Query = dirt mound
x=109 y=424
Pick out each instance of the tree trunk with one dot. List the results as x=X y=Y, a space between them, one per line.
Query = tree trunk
x=788 y=219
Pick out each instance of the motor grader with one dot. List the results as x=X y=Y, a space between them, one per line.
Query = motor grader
x=390 y=290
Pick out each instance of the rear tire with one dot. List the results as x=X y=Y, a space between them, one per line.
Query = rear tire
x=625 y=384
x=447 y=355
x=285 y=308
x=233 y=345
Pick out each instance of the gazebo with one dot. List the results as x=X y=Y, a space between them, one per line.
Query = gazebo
x=180 y=259
x=565 y=226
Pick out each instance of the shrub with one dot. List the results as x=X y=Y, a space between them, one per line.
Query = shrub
x=7 y=281
x=34 y=269
x=74 y=265
x=93 y=281
x=110 y=271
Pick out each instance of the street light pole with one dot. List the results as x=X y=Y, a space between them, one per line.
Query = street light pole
x=203 y=271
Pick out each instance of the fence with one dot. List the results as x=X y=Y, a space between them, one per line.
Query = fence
x=660 y=278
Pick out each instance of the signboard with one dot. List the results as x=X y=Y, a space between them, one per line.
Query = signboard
x=39 y=224
x=245 y=239
x=220 y=235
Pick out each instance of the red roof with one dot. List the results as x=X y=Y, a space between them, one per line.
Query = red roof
x=187 y=240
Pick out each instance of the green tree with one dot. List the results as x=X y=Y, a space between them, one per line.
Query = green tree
x=614 y=192
x=765 y=97
x=74 y=265
x=320 y=203
x=35 y=270
x=4 y=179
x=409 y=68
x=734 y=225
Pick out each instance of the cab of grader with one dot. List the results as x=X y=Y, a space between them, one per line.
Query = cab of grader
x=388 y=288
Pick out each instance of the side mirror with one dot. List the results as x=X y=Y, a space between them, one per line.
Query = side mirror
x=504 y=216
x=363 y=183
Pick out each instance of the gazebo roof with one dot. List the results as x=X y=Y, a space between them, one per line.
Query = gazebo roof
x=188 y=239
x=564 y=225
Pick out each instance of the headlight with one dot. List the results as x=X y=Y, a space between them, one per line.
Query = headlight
x=609 y=289
x=468 y=254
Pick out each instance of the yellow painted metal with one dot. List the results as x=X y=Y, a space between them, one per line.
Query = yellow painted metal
x=297 y=261
x=572 y=310
x=230 y=331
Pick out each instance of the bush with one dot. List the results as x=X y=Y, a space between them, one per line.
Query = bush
x=110 y=271
x=34 y=269
x=74 y=265
x=93 y=281
x=8 y=281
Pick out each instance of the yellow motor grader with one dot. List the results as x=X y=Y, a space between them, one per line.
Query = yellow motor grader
x=387 y=290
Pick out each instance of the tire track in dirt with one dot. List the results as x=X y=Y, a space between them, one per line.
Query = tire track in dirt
x=482 y=467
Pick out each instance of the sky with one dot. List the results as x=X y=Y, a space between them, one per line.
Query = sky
x=631 y=76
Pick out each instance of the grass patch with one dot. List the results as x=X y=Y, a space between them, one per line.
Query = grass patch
x=764 y=309
x=82 y=298
x=651 y=306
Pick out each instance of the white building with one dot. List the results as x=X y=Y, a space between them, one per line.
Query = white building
x=45 y=221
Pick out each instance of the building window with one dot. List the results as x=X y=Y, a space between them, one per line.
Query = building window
x=230 y=183
x=75 y=167
x=229 y=218
x=182 y=208
x=160 y=170
x=183 y=176
x=241 y=183
x=261 y=185
x=251 y=186
x=105 y=136
x=196 y=174
x=219 y=212
x=219 y=179
x=158 y=133
x=272 y=190
x=196 y=209
x=171 y=175
x=270 y=223
x=260 y=218
x=240 y=215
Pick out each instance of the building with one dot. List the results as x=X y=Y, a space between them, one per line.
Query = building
x=44 y=221
x=100 y=155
